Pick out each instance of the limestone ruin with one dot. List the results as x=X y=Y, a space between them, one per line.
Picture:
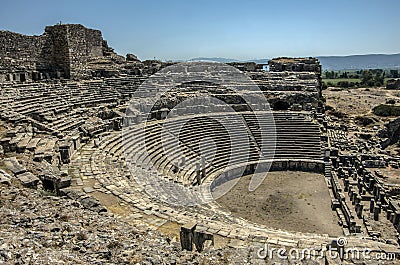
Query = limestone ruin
x=64 y=97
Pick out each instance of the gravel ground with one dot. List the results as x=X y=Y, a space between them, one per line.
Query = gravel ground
x=38 y=228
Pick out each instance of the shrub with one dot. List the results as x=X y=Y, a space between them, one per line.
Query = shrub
x=344 y=84
x=364 y=121
x=337 y=113
x=328 y=107
x=384 y=110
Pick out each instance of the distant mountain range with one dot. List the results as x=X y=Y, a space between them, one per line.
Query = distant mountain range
x=227 y=60
x=351 y=62
x=368 y=61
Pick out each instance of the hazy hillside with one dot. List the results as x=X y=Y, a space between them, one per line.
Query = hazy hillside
x=367 y=61
x=214 y=59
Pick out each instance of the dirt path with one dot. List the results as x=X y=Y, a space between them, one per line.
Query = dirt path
x=294 y=201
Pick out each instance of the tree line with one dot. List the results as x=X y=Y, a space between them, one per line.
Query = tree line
x=359 y=78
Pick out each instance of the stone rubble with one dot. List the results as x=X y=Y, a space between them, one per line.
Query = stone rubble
x=40 y=228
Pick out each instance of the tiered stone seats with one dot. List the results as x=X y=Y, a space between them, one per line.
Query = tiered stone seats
x=297 y=136
x=57 y=107
x=116 y=178
x=140 y=147
x=106 y=166
x=126 y=87
x=221 y=144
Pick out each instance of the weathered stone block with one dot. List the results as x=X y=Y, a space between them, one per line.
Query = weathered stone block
x=187 y=236
x=28 y=179
x=13 y=165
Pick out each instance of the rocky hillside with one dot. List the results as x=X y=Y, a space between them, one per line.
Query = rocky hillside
x=39 y=228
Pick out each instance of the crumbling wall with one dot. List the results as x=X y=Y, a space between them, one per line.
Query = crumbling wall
x=295 y=65
x=310 y=64
x=393 y=84
x=391 y=133
x=73 y=45
x=83 y=44
x=62 y=51
x=19 y=51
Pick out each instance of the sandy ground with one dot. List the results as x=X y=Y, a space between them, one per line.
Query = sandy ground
x=358 y=101
x=294 y=201
x=392 y=175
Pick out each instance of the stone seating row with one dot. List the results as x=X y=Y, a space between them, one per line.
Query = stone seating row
x=300 y=141
x=54 y=105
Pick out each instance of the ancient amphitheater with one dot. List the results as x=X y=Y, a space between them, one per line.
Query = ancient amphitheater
x=76 y=121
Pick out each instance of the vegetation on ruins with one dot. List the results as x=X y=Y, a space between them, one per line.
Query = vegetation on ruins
x=334 y=112
x=364 y=121
x=385 y=110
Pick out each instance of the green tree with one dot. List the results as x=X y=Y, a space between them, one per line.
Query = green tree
x=367 y=78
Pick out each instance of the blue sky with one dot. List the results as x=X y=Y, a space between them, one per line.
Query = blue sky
x=232 y=29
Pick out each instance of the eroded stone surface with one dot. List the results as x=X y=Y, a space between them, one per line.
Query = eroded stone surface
x=64 y=135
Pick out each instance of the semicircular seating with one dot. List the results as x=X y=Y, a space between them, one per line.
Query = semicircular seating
x=107 y=164
x=297 y=137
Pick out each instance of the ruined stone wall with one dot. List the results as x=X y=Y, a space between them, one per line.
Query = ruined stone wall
x=309 y=64
x=305 y=165
x=84 y=44
x=20 y=52
x=295 y=65
x=62 y=51
x=73 y=45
